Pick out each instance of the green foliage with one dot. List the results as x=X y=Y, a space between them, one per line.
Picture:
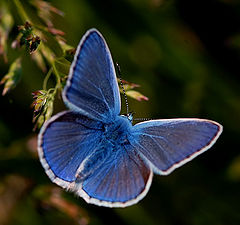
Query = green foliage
x=13 y=76
x=47 y=47
x=43 y=106
x=128 y=88
x=6 y=24
x=27 y=38
x=46 y=44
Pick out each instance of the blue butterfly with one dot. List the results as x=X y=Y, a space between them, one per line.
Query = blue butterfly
x=97 y=153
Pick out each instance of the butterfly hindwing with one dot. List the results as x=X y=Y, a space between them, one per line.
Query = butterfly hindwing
x=168 y=144
x=92 y=88
x=65 y=141
x=121 y=179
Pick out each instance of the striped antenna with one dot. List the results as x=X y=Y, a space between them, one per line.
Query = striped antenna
x=121 y=83
x=142 y=119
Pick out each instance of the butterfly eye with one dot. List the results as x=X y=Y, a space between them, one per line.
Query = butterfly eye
x=130 y=116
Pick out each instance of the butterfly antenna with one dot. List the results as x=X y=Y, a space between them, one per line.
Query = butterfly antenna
x=142 y=119
x=121 y=83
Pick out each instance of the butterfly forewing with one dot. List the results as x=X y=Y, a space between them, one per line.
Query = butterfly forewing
x=92 y=88
x=168 y=144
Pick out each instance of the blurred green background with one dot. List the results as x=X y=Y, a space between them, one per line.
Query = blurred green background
x=185 y=55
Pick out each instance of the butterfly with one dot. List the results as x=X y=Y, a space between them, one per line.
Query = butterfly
x=99 y=154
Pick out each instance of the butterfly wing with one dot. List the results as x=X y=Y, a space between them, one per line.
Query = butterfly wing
x=168 y=144
x=92 y=88
x=64 y=142
x=77 y=157
x=75 y=153
x=121 y=178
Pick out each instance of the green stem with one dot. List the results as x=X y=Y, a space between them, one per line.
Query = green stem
x=46 y=79
x=41 y=28
x=58 y=85
x=49 y=90
x=56 y=74
x=21 y=11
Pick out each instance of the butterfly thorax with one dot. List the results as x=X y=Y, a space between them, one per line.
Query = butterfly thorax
x=117 y=133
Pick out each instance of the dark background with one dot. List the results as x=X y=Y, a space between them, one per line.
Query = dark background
x=185 y=55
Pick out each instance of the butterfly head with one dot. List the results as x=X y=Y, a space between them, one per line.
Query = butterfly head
x=129 y=116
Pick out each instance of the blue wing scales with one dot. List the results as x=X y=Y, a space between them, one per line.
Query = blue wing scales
x=168 y=144
x=65 y=141
x=122 y=178
x=92 y=88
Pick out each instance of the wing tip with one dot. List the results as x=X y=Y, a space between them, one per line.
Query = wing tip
x=198 y=152
x=73 y=65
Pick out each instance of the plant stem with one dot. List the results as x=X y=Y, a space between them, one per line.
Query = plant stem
x=46 y=79
x=21 y=11
x=56 y=74
x=58 y=85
